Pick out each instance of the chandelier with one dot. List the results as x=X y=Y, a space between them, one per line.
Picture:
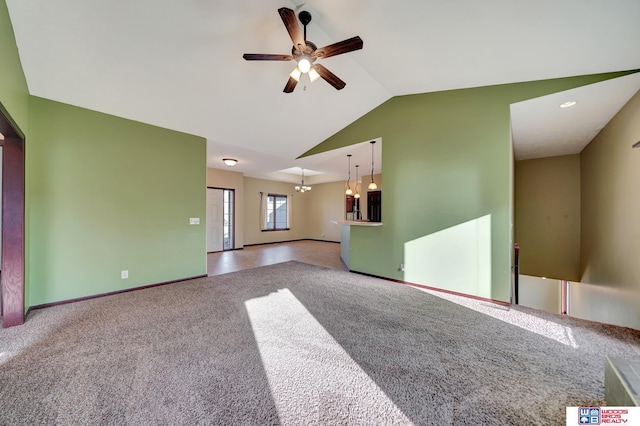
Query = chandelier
x=302 y=187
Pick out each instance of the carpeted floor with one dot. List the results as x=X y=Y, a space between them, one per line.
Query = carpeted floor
x=299 y=344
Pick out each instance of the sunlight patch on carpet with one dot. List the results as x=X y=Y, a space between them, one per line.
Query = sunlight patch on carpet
x=543 y=327
x=308 y=370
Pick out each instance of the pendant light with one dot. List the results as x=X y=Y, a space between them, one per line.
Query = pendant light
x=302 y=187
x=357 y=194
x=372 y=185
x=349 y=191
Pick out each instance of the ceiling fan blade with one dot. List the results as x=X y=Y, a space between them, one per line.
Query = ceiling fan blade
x=291 y=23
x=266 y=57
x=329 y=77
x=291 y=84
x=344 y=46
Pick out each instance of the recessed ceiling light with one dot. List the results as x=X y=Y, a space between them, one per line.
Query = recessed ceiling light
x=568 y=104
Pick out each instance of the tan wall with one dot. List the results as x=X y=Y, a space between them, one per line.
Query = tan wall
x=313 y=212
x=226 y=179
x=611 y=203
x=252 y=232
x=324 y=204
x=547 y=216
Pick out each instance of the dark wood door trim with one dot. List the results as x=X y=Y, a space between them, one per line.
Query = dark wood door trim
x=13 y=190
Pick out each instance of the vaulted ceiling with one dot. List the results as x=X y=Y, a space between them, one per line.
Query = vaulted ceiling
x=179 y=65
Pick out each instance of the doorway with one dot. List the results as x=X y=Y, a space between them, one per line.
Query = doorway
x=220 y=221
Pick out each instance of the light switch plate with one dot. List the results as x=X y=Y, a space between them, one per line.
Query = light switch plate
x=194 y=221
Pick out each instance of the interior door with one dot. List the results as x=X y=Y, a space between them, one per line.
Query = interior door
x=215 y=220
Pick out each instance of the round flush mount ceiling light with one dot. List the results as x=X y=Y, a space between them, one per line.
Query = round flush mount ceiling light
x=230 y=161
x=568 y=104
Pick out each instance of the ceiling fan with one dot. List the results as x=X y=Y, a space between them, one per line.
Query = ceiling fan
x=305 y=52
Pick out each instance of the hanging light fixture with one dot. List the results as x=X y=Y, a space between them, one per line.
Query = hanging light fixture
x=372 y=185
x=349 y=191
x=300 y=69
x=357 y=194
x=313 y=75
x=302 y=187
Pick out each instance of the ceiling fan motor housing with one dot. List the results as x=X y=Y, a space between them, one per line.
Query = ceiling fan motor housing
x=309 y=49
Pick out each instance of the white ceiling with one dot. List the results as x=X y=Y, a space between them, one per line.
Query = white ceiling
x=178 y=64
x=541 y=128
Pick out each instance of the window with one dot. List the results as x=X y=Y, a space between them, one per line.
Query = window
x=277 y=212
x=227 y=214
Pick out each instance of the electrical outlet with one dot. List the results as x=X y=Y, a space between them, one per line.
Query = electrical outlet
x=402 y=267
x=124 y=274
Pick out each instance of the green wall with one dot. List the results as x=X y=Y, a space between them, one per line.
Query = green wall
x=103 y=194
x=446 y=162
x=14 y=94
x=108 y=194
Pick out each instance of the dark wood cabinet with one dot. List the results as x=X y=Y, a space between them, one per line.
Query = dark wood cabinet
x=374 y=206
x=353 y=208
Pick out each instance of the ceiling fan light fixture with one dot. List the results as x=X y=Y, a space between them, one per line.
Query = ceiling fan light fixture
x=230 y=161
x=304 y=64
x=305 y=52
x=313 y=75
x=295 y=74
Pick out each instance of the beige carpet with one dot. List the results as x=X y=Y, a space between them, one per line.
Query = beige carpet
x=299 y=344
